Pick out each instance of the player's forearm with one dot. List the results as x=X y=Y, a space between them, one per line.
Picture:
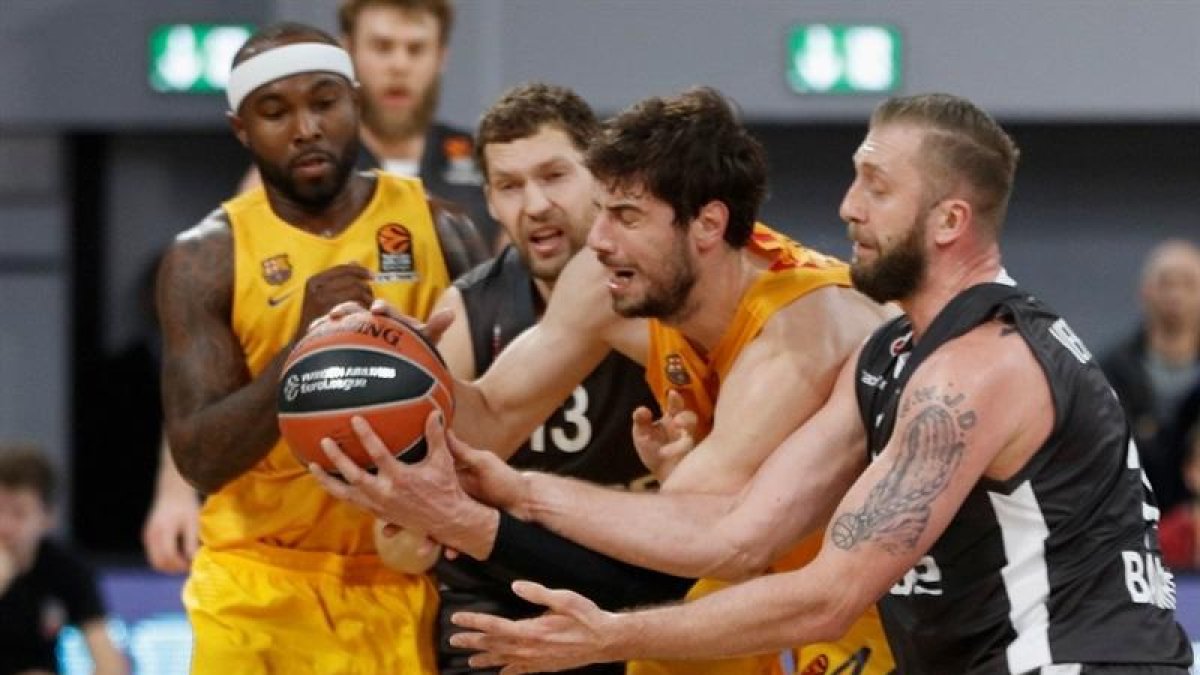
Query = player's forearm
x=762 y=615
x=472 y=529
x=222 y=440
x=482 y=421
x=674 y=532
x=525 y=550
x=169 y=484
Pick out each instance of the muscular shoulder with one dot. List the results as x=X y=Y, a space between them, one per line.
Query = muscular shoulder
x=992 y=352
x=210 y=240
x=832 y=321
x=995 y=374
x=200 y=260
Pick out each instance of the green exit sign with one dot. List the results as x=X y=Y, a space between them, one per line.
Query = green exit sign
x=844 y=59
x=194 y=57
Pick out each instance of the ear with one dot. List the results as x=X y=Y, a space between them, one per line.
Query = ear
x=951 y=218
x=238 y=127
x=708 y=227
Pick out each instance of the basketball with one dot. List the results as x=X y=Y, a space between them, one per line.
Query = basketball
x=368 y=365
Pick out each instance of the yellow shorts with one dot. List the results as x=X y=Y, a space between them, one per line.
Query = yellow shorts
x=269 y=610
x=859 y=652
x=862 y=651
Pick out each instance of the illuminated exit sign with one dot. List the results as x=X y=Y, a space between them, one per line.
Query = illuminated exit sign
x=194 y=58
x=844 y=59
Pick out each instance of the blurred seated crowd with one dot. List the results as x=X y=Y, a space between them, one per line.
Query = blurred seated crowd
x=1156 y=374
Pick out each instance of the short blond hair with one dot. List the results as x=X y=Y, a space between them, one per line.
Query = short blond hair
x=961 y=142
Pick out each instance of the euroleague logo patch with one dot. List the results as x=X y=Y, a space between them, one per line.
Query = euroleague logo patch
x=676 y=371
x=277 y=269
x=395 y=246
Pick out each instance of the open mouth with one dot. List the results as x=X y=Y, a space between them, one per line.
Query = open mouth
x=546 y=241
x=620 y=279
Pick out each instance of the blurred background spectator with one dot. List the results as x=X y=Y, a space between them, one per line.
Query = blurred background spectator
x=44 y=584
x=1179 y=529
x=1153 y=369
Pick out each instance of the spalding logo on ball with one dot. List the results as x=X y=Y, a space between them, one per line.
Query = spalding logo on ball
x=368 y=365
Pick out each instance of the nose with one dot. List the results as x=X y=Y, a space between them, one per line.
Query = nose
x=850 y=210
x=399 y=59
x=308 y=126
x=600 y=236
x=536 y=202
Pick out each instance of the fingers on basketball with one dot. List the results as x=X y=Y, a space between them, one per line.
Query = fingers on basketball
x=366 y=365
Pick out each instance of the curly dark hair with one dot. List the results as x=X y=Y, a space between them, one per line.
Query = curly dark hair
x=524 y=109
x=687 y=150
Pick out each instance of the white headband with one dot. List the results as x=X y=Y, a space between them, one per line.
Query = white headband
x=300 y=57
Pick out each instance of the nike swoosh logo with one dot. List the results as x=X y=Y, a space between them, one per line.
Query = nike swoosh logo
x=271 y=302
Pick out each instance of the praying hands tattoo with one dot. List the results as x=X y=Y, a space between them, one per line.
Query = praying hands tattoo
x=932 y=444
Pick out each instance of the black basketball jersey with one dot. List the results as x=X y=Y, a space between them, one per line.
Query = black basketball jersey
x=1058 y=565
x=587 y=437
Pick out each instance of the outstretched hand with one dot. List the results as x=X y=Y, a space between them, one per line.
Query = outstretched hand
x=663 y=443
x=424 y=497
x=573 y=632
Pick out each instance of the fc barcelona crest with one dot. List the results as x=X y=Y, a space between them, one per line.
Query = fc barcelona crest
x=277 y=269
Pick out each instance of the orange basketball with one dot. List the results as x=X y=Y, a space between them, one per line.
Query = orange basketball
x=368 y=365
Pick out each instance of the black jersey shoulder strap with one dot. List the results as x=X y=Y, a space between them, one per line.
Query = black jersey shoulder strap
x=498 y=297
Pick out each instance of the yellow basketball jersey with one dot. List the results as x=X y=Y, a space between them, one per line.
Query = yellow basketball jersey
x=674 y=365
x=277 y=502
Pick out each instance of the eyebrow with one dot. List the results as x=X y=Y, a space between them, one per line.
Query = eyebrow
x=553 y=162
x=870 y=168
x=621 y=208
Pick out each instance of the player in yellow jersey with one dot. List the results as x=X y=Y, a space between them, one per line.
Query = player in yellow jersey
x=288 y=579
x=749 y=327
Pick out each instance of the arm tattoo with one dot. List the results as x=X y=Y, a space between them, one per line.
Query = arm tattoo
x=931 y=446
